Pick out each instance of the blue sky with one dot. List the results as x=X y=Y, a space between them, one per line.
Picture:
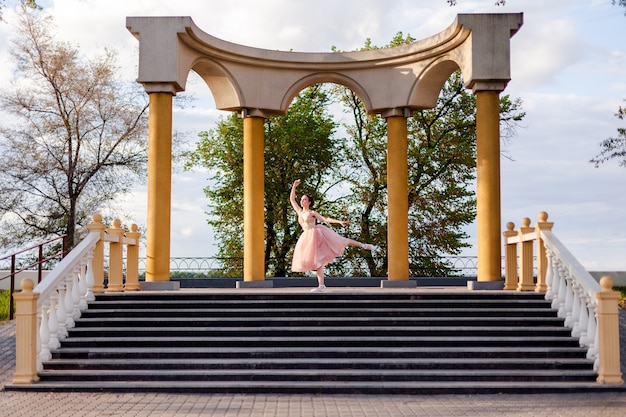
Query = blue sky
x=568 y=66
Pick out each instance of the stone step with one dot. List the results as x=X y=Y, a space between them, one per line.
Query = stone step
x=319 y=341
x=323 y=387
x=318 y=330
x=347 y=375
x=255 y=363
x=344 y=342
x=247 y=353
x=255 y=313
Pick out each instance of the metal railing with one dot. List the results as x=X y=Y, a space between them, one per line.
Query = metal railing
x=465 y=266
x=30 y=262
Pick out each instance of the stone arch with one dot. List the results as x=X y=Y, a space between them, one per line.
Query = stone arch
x=222 y=84
x=323 y=77
x=429 y=84
x=392 y=82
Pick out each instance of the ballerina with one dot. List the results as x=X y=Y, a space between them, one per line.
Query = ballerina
x=318 y=245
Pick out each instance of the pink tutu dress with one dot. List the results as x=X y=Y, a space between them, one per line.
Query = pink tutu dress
x=317 y=245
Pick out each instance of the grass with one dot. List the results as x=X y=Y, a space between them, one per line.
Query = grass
x=4 y=305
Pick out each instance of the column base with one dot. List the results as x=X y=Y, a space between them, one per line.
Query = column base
x=255 y=284
x=398 y=283
x=485 y=285
x=159 y=285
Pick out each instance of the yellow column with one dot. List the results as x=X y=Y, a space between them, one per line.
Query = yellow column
x=608 y=334
x=132 y=260
x=116 y=254
x=26 y=334
x=159 y=187
x=97 y=262
x=397 y=199
x=488 y=184
x=253 y=199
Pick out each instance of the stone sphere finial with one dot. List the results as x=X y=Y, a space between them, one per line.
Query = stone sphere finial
x=96 y=218
x=27 y=285
x=606 y=282
x=134 y=228
x=542 y=216
x=510 y=226
x=525 y=222
x=117 y=223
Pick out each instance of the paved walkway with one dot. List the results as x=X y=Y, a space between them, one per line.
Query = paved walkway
x=34 y=404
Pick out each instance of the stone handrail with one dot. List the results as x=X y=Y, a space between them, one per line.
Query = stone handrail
x=588 y=307
x=45 y=313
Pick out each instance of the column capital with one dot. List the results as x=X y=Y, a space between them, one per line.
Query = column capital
x=486 y=85
x=170 y=88
x=397 y=112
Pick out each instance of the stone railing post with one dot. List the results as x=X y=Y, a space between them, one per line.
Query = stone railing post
x=526 y=281
x=116 y=255
x=26 y=334
x=132 y=260
x=97 y=262
x=542 y=259
x=608 y=334
x=510 y=258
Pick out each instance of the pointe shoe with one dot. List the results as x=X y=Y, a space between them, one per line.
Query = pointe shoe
x=319 y=289
x=368 y=246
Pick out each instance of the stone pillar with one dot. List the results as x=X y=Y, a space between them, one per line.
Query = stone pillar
x=488 y=184
x=526 y=281
x=116 y=255
x=26 y=334
x=542 y=259
x=397 y=198
x=608 y=334
x=510 y=250
x=159 y=187
x=97 y=262
x=132 y=260
x=253 y=199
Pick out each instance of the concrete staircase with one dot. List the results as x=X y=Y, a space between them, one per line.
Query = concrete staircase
x=338 y=342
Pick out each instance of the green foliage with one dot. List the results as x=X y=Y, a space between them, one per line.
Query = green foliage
x=298 y=145
x=613 y=148
x=4 y=304
x=353 y=171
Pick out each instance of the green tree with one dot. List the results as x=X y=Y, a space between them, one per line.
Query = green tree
x=613 y=148
x=442 y=152
x=75 y=140
x=298 y=145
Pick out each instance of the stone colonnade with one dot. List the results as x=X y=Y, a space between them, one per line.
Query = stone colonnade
x=392 y=82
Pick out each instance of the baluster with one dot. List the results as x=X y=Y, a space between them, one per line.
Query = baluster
x=44 y=333
x=576 y=309
x=53 y=322
x=82 y=287
x=562 y=291
x=569 y=299
x=584 y=318
x=90 y=278
x=550 y=275
x=76 y=313
x=61 y=316
x=592 y=334
x=69 y=302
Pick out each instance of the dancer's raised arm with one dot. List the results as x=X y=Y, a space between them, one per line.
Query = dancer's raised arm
x=292 y=197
